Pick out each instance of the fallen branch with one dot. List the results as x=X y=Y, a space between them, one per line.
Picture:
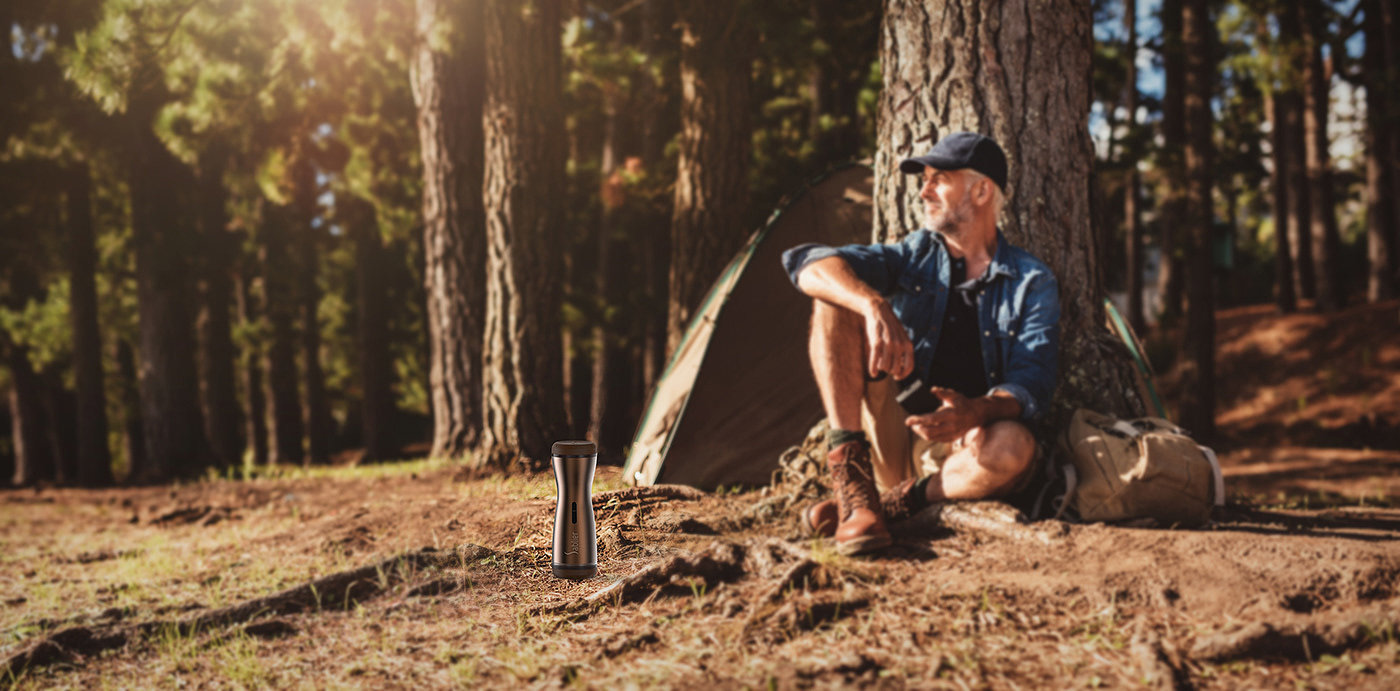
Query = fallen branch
x=337 y=589
x=984 y=519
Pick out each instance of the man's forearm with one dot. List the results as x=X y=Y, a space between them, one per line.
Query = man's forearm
x=832 y=280
x=997 y=405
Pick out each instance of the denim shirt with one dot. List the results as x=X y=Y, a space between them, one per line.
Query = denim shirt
x=1018 y=310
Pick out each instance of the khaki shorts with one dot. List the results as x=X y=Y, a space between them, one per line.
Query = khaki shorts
x=897 y=453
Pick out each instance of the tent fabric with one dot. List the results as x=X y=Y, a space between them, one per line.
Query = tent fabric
x=739 y=389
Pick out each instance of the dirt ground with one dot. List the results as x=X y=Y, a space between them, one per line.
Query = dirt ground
x=420 y=575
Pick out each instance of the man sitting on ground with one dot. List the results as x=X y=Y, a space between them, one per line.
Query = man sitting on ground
x=965 y=321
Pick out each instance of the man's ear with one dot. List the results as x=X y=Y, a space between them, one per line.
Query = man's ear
x=982 y=191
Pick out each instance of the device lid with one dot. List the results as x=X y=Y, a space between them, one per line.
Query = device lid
x=574 y=448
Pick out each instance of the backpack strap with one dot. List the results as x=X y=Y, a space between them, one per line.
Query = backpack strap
x=1219 y=476
x=1059 y=502
x=1063 y=501
x=1126 y=429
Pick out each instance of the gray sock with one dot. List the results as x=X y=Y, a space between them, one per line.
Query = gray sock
x=837 y=437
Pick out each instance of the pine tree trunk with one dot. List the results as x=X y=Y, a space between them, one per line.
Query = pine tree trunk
x=448 y=87
x=34 y=460
x=613 y=273
x=1284 y=290
x=659 y=123
x=711 y=203
x=1381 y=226
x=133 y=431
x=315 y=412
x=1198 y=368
x=160 y=232
x=580 y=279
x=1300 y=206
x=1002 y=71
x=94 y=458
x=525 y=152
x=1132 y=217
x=371 y=330
x=279 y=302
x=1172 y=225
x=7 y=442
x=1326 y=240
x=251 y=372
x=219 y=393
x=61 y=412
x=1390 y=30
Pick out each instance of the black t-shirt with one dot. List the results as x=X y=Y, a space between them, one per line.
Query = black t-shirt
x=957 y=362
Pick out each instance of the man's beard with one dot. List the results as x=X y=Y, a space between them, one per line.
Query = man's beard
x=952 y=221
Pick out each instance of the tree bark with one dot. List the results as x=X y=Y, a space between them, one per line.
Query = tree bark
x=1284 y=289
x=1326 y=240
x=1132 y=216
x=315 y=411
x=1019 y=73
x=1390 y=45
x=448 y=88
x=371 y=330
x=133 y=431
x=251 y=371
x=279 y=302
x=659 y=124
x=94 y=458
x=1197 y=411
x=712 y=191
x=175 y=444
x=1172 y=225
x=522 y=378
x=34 y=460
x=610 y=375
x=1381 y=226
x=61 y=413
x=219 y=393
x=1291 y=103
x=7 y=453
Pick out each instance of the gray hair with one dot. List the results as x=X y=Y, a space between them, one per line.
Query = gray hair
x=998 y=197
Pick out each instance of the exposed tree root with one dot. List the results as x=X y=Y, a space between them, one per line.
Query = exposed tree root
x=650 y=492
x=810 y=611
x=334 y=590
x=720 y=561
x=1159 y=664
x=1304 y=638
x=337 y=589
x=61 y=646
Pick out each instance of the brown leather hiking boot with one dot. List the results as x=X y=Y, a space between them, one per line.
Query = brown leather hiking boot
x=861 y=527
x=898 y=503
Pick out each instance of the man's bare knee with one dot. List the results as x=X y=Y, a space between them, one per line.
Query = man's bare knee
x=1007 y=449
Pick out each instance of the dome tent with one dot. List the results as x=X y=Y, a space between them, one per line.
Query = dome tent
x=739 y=389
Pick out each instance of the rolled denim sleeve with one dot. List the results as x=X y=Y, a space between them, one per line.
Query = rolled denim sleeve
x=1033 y=363
x=878 y=266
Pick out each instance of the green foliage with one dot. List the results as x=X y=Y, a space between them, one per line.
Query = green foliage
x=42 y=326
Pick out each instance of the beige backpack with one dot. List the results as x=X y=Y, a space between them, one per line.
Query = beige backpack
x=1118 y=470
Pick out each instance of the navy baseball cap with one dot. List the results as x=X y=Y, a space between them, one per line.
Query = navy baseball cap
x=962 y=150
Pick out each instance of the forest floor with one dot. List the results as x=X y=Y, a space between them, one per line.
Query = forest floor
x=418 y=574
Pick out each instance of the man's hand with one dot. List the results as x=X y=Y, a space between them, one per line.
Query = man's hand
x=889 y=346
x=958 y=415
